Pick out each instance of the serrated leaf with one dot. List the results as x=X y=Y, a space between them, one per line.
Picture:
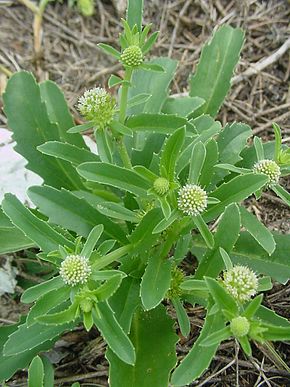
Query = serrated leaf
x=154 y=352
x=33 y=293
x=236 y=190
x=69 y=211
x=63 y=317
x=36 y=229
x=12 y=239
x=30 y=122
x=190 y=369
x=115 y=176
x=36 y=373
x=58 y=112
x=155 y=123
x=182 y=106
x=262 y=235
x=156 y=280
x=226 y=236
x=107 y=289
x=219 y=57
x=165 y=223
x=67 y=152
x=170 y=153
x=114 y=335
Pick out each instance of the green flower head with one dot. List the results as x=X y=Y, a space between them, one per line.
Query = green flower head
x=132 y=56
x=161 y=186
x=268 y=168
x=98 y=106
x=240 y=326
x=75 y=270
x=241 y=282
x=192 y=199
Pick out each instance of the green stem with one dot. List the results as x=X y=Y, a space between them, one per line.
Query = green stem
x=124 y=95
x=123 y=152
x=111 y=257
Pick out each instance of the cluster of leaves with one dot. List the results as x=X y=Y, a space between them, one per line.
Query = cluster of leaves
x=119 y=210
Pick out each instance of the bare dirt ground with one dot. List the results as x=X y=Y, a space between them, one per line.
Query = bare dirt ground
x=259 y=96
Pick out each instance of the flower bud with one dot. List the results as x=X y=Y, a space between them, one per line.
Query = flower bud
x=241 y=282
x=86 y=305
x=132 y=56
x=192 y=199
x=75 y=270
x=268 y=168
x=98 y=106
x=161 y=186
x=177 y=277
x=240 y=326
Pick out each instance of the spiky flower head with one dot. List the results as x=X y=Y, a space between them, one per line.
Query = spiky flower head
x=241 y=282
x=86 y=305
x=98 y=106
x=192 y=199
x=161 y=186
x=132 y=56
x=240 y=326
x=269 y=168
x=75 y=270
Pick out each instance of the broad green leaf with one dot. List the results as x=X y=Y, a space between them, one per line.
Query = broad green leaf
x=226 y=236
x=36 y=229
x=282 y=193
x=155 y=123
x=182 y=317
x=138 y=99
x=125 y=301
x=153 y=83
x=47 y=302
x=12 y=239
x=270 y=317
x=91 y=241
x=107 y=289
x=115 y=176
x=58 y=112
x=262 y=235
x=114 y=335
x=60 y=318
x=190 y=285
x=224 y=300
x=10 y=364
x=156 y=279
x=226 y=258
x=249 y=253
x=152 y=67
x=106 y=274
x=142 y=237
x=198 y=156
x=219 y=57
x=67 y=210
x=253 y=306
x=232 y=141
x=36 y=373
x=265 y=283
x=26 y=338
x=67 y=152
x=115 y=210
x=210 y=161
x=29 y=119
x=275 y=333
x=35 y=292
x=236 y=190
x=232 y=168
x=104 y=145
x=170 y=153
x=182 y=106
x=217 y=337
x=154 y=352
x=134 y=13
x=199 y=358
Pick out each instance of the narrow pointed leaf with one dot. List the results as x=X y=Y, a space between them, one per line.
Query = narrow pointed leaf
x=182 y=317
x=282 y=193
x=196 y=162
x=259 y=148
x=165 y=223
x=155 y=123
x=150 y=42
x=91 y=241
x=217 y=337
x=107 y=289
x=109 y=50
x=204 y=230
x=120 y=128
x=33 y=293
x=170 y=154
x=115 y=210
x=222 y=298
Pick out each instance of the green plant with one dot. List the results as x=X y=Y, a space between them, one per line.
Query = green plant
x=115 y=227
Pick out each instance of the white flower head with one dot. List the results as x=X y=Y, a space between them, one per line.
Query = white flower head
x=97 y=105
x=241 y=282
x=75 y=270
x=192 y=199
x=269 y=168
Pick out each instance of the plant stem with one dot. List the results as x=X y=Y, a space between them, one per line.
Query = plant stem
x=123 y=152
x=111 y=257
x=124 y=95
